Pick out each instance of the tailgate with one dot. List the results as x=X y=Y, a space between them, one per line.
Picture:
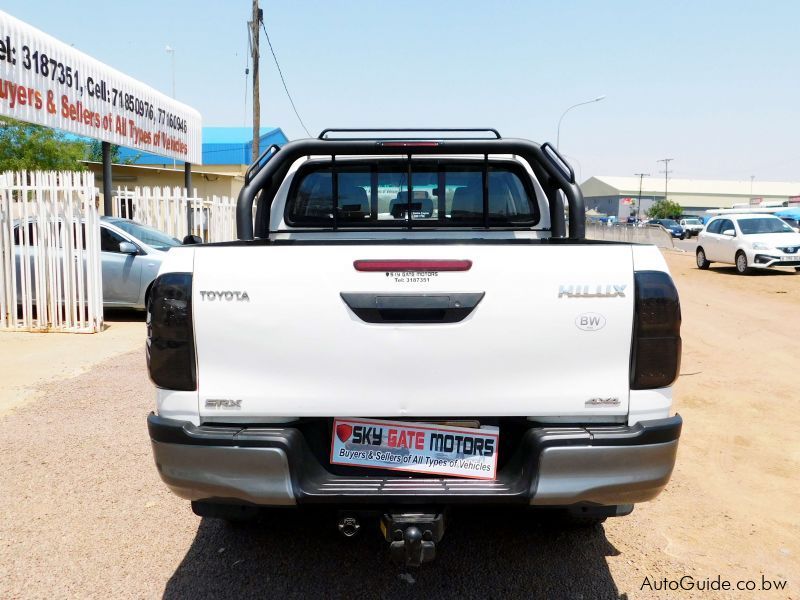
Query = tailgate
x=292 y=346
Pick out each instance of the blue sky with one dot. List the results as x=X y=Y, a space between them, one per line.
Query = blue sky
x=713 y=84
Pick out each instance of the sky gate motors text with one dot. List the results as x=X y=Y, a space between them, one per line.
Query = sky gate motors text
x=437 y=442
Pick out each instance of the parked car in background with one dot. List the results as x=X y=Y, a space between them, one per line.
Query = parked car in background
x=131 y=254
x=749 y=241
x=691 y=225
x=670 y=225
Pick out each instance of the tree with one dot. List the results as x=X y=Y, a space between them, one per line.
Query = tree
x=94 y=153
x=665 y=209
x=24 y=146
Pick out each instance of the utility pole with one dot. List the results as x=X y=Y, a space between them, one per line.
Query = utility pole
x=254 y=25
x=666 y=171
x=639 y=198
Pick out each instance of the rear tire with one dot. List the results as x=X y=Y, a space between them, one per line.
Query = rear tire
x=797 y=269
x=741 y=263
x=702 y=261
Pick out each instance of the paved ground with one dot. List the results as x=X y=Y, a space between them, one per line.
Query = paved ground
x=688 y=245
x=85 y=514
x=28 y=359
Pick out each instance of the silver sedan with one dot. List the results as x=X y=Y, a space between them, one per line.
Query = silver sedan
x=131 y=254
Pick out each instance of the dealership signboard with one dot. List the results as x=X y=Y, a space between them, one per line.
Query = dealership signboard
x=47 y=82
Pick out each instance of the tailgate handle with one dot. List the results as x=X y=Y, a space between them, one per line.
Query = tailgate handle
x=412 y=308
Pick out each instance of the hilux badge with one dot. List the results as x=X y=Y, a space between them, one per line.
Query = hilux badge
x=612 y=290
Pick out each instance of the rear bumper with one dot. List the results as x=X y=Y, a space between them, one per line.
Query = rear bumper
x=553 y=466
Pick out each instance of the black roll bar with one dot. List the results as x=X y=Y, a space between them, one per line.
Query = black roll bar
x=325 y=133
x=268 y=176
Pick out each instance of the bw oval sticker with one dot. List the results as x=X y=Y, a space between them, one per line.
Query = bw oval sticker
x=590 y=321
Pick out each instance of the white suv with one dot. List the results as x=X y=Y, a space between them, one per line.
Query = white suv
x=748 y=241
x=691 y=225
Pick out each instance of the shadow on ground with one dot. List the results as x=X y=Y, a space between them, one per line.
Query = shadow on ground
x=731 y=270
x=483 y=555
x=123 y=315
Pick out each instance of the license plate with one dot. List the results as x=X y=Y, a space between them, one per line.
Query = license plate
x=791 y=258
x=465 y=452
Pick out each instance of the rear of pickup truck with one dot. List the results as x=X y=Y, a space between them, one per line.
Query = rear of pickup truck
x=282 y=361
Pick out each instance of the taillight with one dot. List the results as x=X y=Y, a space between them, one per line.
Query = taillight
x=170 y=337
x=412 y=265
x=656 y=354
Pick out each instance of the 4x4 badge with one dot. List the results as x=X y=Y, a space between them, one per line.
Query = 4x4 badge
x=602 y=402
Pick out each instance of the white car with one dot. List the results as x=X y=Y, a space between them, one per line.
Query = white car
x=691 y=225
x=749 y=241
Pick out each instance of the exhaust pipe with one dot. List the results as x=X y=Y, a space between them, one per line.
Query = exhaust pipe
x=349 y=526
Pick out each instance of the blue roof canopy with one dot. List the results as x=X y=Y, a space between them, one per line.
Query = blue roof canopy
x=221 y=146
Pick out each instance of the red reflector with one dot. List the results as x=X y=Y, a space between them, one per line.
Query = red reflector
x=410 y=144
x=412 y=265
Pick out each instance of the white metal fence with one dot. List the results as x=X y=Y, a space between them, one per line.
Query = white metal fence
x=50 y=269
x=626 y=233
x=174 y=212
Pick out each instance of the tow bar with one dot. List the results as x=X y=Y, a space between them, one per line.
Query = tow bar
x=412 y=537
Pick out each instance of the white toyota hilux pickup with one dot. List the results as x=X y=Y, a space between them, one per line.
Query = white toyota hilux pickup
x=408 y=322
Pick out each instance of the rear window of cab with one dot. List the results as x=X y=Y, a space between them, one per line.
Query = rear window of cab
x=428 y=194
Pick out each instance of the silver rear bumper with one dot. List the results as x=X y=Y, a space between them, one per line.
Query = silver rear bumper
x=552 y=467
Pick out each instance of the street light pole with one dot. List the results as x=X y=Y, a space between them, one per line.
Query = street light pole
x=171 y=51
x=666 y=172
x=558 y=132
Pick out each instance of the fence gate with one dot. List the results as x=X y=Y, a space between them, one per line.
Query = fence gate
x=50 y=269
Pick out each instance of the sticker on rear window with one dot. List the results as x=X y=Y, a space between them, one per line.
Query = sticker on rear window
x=417 y=447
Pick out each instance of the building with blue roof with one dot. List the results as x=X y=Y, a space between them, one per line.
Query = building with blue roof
x=227 y=152
x=221 y=146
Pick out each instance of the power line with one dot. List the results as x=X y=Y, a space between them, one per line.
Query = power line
x=294 y=108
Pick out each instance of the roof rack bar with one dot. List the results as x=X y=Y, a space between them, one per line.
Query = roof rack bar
x=558 y=161
x=259 y=163
x=324 y=134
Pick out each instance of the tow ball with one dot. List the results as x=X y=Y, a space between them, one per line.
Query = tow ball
x=412 y=537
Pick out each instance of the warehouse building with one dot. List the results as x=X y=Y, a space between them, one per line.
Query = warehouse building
x=620 y=197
